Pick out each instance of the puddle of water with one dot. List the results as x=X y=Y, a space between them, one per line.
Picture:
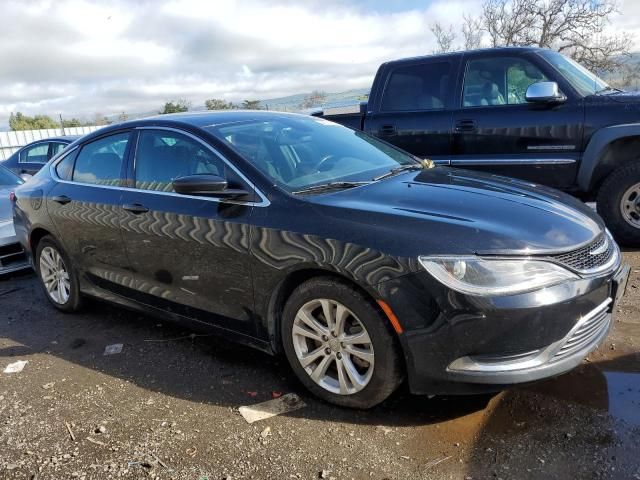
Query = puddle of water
x=624 y=396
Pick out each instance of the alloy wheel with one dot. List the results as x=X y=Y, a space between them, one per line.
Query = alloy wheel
x=630 y=205
x=333 y=346
x=54 y=275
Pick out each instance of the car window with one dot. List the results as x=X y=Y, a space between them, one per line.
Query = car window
x=417 y=87
x=35 y=154
x=57 y=148
x=100 y=162
x=64 y=168
x=499 y=81
x=299 y=152
x=162 y=156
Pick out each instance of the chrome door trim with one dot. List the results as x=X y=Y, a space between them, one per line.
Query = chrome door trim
x=513 y=161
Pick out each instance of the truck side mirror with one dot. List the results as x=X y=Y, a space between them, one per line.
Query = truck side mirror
x=544 y=92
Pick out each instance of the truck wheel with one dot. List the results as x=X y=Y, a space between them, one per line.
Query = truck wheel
x=339 y=344
x=619 y=203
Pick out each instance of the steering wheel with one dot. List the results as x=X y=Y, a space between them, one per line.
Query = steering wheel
x=325 y=160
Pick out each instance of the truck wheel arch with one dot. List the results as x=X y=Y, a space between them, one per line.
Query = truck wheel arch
x=609 y=148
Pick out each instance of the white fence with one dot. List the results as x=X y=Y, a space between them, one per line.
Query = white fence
x=12 y=141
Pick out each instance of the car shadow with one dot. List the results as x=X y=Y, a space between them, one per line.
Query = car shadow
x=168 y=358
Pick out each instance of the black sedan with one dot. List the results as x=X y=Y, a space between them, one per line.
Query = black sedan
x=363 y=264
x=30 y=158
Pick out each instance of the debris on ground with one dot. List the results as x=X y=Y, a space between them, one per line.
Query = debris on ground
x=113 y=349
x=15 y=367
x=271 y=408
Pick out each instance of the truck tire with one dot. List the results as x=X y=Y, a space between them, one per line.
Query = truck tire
x=619 y=203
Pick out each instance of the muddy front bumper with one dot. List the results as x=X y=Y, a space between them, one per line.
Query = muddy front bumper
x=472 y=344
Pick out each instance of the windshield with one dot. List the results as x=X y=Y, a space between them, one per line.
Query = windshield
x=8 y=178
x=299 y=152
x=585 y=82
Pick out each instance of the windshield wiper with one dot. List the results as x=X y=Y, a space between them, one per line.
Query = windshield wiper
x=402 y=168
x=327 y=187
x=608 y=88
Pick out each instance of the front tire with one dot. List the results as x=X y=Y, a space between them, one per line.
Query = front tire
x=57 y=276
x=339 y=344
x=619 y=203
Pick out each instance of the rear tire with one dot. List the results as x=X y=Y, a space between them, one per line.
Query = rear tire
x=353 y=359
x=57 y=276
x=618 y=203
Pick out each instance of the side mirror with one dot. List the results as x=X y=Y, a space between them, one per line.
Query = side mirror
x=206 y=186
x=544 y=92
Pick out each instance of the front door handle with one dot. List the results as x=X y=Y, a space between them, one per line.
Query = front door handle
x=466 y=126
x=61 y=199
x=135 y=208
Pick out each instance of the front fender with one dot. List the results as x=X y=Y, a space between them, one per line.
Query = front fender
x=593 y=154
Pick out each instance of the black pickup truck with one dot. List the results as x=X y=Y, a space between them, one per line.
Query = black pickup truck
x=528 y=113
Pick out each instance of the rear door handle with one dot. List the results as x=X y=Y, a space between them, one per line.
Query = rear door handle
x=387 y=130
x=61 y=199
x=466 y=126
x=135 y=208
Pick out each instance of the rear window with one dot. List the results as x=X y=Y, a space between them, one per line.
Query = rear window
x=418 y=87
x=100 y=162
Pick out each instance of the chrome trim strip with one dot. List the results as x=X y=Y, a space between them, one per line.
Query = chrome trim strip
x=537 y=358
x=264 y=201
x=513 y=161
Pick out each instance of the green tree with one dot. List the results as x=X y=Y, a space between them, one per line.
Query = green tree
x=74 y=122
x=218 y=104
x=18 y=121
x=251 y=104
x=176 y=106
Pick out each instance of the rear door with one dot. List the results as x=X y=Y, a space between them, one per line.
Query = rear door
x=84 y=206
x=190 y=253
x=412 y=109
x=496 y=130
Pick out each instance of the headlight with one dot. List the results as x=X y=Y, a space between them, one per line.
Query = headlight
x=482 y=276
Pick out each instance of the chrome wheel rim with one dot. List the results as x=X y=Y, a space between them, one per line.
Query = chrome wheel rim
x=333 y=346
x=630 y=206
x=54 y=275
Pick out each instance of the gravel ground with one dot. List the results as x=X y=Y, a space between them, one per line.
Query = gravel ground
x=166 y=407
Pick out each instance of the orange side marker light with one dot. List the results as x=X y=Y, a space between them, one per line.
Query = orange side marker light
x=391 y=316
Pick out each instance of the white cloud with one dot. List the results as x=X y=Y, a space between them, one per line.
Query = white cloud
x=79 y=57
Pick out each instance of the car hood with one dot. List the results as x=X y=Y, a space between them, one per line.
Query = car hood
x=443 y=210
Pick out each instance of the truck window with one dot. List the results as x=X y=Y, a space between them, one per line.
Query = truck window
x=417 y=87
x=499 y=81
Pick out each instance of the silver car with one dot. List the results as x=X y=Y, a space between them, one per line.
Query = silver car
x=12 y=255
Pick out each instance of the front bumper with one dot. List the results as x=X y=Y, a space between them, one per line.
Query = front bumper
x=454 y=343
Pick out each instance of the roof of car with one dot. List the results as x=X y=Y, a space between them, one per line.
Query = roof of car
x=498 y=50
x=200 y=119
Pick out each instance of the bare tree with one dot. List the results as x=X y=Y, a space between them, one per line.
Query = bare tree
x=313 y=99
x=574 y=27
x=472 y=30
x=444 y=37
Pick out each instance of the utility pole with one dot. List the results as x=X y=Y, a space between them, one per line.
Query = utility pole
x=61 y=124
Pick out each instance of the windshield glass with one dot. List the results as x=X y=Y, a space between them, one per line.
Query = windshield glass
x=585 y=82
x=300 y=152
x=8 y=178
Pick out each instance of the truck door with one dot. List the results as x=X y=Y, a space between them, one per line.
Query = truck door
x=412 y=107
x=496 y=130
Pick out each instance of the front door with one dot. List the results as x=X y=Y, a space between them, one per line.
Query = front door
x=496 y=130
x=414 y=109
x=189 y=253
x=84 y=206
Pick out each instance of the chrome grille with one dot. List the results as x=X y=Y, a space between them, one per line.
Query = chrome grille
x=589 y=258
x=586 y=331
